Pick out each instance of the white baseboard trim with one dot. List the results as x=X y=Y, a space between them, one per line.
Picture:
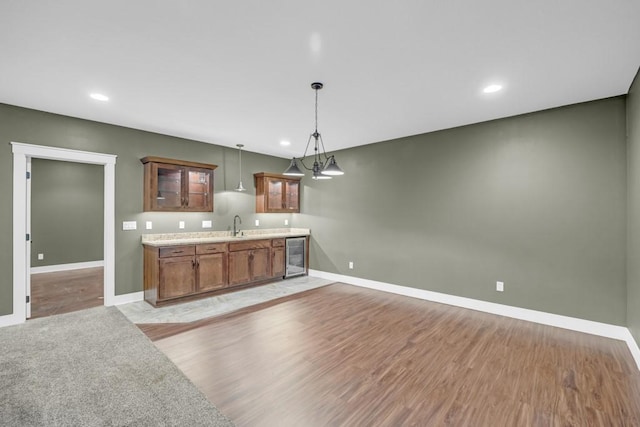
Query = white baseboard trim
x=10 y=320
x=127 y=298
x=66 y=267
x=566 y=322
x=633 y=348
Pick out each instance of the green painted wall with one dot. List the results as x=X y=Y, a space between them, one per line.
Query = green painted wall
x=35 y=127
x=67 y=212
x=633 y=242
x=537 y=201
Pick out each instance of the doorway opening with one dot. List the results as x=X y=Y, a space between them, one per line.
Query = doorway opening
x=67 y=205
x=22 y=155
x=59 y=292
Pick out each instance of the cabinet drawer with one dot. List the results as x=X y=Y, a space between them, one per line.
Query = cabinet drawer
x=171 y=251
x=248 y=245
x=211 y=248
x=277 y=243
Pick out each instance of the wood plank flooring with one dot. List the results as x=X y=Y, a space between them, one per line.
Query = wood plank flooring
x=66 y=291
x=343 y=355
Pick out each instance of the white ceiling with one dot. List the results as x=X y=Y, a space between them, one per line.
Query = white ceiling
x=229 y=72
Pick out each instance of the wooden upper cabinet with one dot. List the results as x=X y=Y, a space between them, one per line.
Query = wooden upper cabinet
x=175 y=185
x=277 y=193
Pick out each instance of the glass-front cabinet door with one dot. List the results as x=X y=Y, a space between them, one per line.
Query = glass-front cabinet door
x=169 y=194
x=292 y=202
x=276 y=193
x=175 y=185
x=199 y=194
x=275 y=189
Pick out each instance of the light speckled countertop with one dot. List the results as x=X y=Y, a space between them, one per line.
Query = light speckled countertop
x=169 y=239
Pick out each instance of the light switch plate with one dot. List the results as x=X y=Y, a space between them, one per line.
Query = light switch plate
x=257 y=222
x=207 y=223
x=181 y=224
x=129 y=225
x=149 y=225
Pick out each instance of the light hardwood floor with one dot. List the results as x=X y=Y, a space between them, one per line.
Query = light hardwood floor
x=343 y=355
x=66 y=291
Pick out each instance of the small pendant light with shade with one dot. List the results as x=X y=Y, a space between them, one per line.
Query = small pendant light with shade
x=240 y=187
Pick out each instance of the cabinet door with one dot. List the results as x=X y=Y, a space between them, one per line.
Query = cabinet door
x=260 y=264
x=277 y=262
x=176 y=186
x=239 y=267
x=166 y=194
x=177 y=277
x=293 y=196
x=199 y=190
x=212 y=271
x=275 y=194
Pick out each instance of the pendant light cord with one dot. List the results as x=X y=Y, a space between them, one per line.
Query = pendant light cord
x=316 y=110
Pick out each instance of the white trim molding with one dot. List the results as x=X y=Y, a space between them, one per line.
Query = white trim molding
x=127 y=298
x=66 y=267
x=21 y=154
x=565 y=322
x=9 y=320
x=13 y=319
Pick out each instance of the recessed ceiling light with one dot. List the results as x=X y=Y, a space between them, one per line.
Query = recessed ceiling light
x=99 y=97
x=492 y=88
x=285 y=143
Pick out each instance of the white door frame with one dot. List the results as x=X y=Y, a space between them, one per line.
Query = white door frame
x=22 y=154
x=28 y=242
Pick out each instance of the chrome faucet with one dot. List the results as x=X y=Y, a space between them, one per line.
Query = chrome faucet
x=236 y=230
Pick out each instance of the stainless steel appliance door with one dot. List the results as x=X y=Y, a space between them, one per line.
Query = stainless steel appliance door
x=296 y=256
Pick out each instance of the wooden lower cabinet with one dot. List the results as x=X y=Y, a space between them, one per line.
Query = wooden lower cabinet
x=239 y=271
x=212 y=272
x=261 y=264
x=249 y=261
x=174 y=272
x=278 y=258
x=177 y=277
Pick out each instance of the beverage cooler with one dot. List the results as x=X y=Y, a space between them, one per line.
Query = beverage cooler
x=296 y=256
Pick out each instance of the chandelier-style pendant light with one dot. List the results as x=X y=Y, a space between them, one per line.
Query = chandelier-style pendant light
x=240 y=187
x=323 y=168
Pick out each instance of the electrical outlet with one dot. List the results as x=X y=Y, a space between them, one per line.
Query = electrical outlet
x=181 y=224
x=500 y=286
x=40 y=257
x=207 y=223
x=286 y=222
x=129 y=225
x=350 y=265
x=257 y=223
x=148 y=225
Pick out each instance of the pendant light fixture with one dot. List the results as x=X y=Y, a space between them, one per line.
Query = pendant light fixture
x=240 y=187
x=324 y=167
